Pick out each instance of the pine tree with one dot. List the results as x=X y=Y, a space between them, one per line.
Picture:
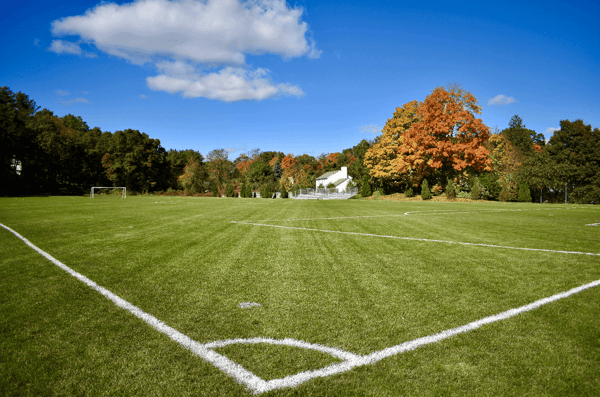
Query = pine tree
x=284 y=193
x=229 y=192
x=524 y=193
x=450 y=190
x=475 y=192
x=366 y=189
x=425 y=192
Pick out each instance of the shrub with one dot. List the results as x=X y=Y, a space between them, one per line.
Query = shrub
x=243 y=190
x=377 y=193
x=331 y=186
x=215 y=192
x=450 y=190
x=409 y=192
x=425 y=193
x=464 y=194
x=437 y=189
x=229 y=191
x=524 y=193
x=265 y=191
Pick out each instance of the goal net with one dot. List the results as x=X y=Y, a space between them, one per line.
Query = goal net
x=99 y=191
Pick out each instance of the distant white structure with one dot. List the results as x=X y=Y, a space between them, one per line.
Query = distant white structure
x=339 y=178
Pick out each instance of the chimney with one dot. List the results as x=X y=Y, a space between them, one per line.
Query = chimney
x=344 y=172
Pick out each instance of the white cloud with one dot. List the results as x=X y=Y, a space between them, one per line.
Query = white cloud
x=192 y=34
x=228 y=84
x=62 y=93
x=142 y=96
x=501 y=100
x=370 y=129
x=90 y=55
x=551 y=130
x=235 y=149
x=65 y=47
x=36 y=42
x=67 y=102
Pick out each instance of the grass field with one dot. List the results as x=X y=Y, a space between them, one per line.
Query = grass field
x=356 y=276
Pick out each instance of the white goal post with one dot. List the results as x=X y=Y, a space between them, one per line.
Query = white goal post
x=100 y=187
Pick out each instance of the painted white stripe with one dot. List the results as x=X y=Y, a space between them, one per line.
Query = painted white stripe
x=593 y=224
x=421 y=213
x=258 y=385
x=223 y=363
x=418 y=239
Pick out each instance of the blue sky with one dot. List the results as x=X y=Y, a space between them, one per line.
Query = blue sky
x=307 y=77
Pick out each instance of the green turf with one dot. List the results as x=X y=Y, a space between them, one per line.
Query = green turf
x=183 y=261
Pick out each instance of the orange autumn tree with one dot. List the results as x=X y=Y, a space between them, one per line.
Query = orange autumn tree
x=382 y=159
x=447 y=139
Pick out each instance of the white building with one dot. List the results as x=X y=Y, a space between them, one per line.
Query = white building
x=339 y=178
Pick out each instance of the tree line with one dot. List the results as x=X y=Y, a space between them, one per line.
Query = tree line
x=432 y=145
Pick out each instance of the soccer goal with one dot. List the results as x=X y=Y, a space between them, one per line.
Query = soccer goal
x=112 y=191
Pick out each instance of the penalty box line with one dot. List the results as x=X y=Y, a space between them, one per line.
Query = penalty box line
x=418 y=239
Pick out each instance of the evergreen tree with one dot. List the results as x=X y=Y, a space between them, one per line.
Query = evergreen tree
x=243 y=190
x=475 y=192
x=450 y=190
x=425 y=192
x=409 y=192
x=366 y=189
x=229 y=192
x=284 y=193
x=215 y=192
x=524 y=193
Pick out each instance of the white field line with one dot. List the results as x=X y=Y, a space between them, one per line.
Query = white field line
x=421 y=213
x=418 y=239
x=593 y=224
x=258 y=385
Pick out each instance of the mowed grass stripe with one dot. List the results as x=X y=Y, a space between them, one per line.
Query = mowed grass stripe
x=190 y=264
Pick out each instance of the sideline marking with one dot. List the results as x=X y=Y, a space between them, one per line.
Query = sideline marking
x=432 y=212
x=258 y=385
x=593 y=224
x=418 y=239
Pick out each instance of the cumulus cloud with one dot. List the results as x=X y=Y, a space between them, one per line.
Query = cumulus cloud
x=65 y=47
x=501 y=100
x=229 y=84
x=142 y=96
x=370 y=129
x=62 y=93
x=192 y=34
x=551 y=130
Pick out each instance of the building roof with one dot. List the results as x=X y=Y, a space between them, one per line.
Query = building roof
x=339 y=181
x=328 y=174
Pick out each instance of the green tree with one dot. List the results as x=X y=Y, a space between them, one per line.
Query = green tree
x=366 y=189
x=522 y=138
x=229 y=192
x=524 y=193
x=576 y=148
x=450 y=190
x=425 y=192
x=283 y=191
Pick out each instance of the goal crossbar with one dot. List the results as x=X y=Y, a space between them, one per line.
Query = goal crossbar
x=110 y=187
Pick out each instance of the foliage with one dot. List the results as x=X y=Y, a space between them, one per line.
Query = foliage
x=383 y=158
x=524 y=193
x=409 y=192
x=425 y=193
x=214 y=190
x=229 y=191
x=330 y=185
x=283 y=191
x=524 y=140
x=277 y=171
x=437 y=189
x=576 y=148
x=192 y=177
x=475 y=192
x=265 y=191
x=450 y=190
x=366 y=189
x=447 y=138
x=464 y=194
